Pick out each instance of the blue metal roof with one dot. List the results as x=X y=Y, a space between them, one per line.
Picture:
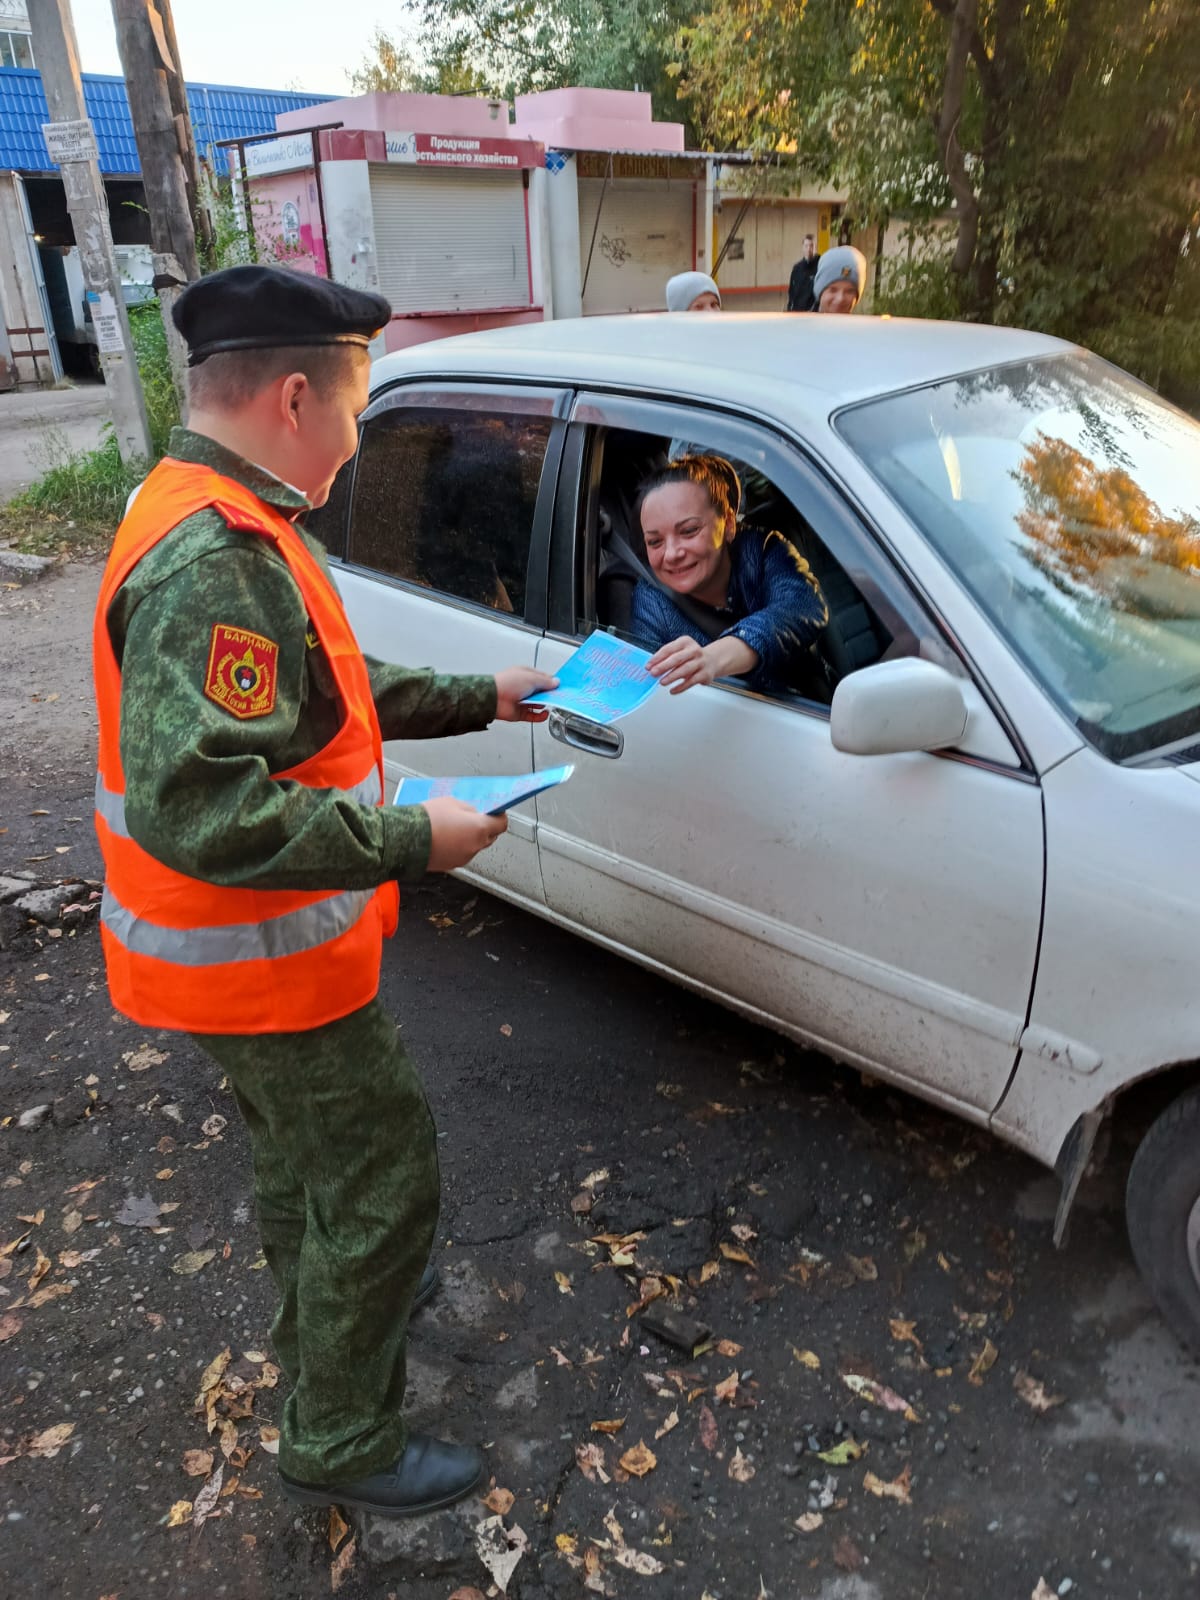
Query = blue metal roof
x=218 y=112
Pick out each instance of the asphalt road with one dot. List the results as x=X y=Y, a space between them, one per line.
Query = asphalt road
x=906 y=1391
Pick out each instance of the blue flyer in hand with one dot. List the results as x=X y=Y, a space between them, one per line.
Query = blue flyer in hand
x=489 y=795
x=604 y=679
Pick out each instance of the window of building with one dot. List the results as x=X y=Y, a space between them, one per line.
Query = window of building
x=16 y=49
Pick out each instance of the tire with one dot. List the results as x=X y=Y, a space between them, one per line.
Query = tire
x=1162 y=1212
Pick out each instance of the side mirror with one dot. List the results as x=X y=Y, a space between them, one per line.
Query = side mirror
x=897 y=706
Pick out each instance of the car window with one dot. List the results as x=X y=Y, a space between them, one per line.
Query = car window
x=870 y=615
x=444 y=497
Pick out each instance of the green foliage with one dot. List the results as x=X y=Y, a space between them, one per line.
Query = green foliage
x=1066 y=134
x=89 y=488
x=232 y=245
x=511 y=47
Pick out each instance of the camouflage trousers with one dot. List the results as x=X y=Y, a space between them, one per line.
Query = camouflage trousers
x=346 y=1184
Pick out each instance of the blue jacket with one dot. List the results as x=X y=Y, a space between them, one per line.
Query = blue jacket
x=774 y=605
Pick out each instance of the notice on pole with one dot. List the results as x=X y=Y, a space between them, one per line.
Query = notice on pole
x=70 y=141
x=107 y=323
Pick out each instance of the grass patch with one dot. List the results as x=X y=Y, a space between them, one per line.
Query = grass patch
x=74 y=507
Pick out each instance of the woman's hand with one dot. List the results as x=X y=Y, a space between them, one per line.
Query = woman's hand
x=513 y=685
x=684 y=662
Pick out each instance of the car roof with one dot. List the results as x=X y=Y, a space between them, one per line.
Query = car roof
x=809 y=365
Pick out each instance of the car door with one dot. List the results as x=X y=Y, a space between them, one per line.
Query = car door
x=441 y=559
x=884 y=908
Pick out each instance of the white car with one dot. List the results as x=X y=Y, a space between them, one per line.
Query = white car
x=965 y=854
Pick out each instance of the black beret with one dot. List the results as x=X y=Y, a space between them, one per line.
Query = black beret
x=267 y=308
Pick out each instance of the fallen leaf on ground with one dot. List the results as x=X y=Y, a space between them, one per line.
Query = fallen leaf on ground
x=639 y=1460
x=144 y=1056
x=212 y=1126
x=205 y=1502
x=198 y=1463
x=863 y=1268
x=726 y=1347
x=842 y=1453
x=37 y=1218
x=983 y=1363
x=180 y=1514
x=138 y=1211
x=10 y=1326
x=897 y=1489
x=339 y=1567
x=192 y=1261
x=590 y=1459
x=595 y=1179
x=268 y=1438
x=1033 y=1391
x=71 y=1221
x=743 y=1233
x=847 y=1555
x=671 y=1422
x=727 y=1388
x=614 y=1426
x=52 y=1291
x=741 y=1469
x=500 y=1549
x=709 y=1270
x=506 y=1029
x=564 y=1283
x=810 y=1522
x=915 y=1244
x=40 y=1268
x=807 y=1358
x=471 y=1593
x=338 y=1528
x=50 y=1441
x=638 y=1561
x=732 y=1253
x=878 y=1394
x=76 y=1258
x=1043 y=1591
x=708 y=1429
x=904 y=1332
x=500 y=1501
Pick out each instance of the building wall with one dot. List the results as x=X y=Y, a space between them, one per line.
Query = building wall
x=285 y=218
x=20 y=303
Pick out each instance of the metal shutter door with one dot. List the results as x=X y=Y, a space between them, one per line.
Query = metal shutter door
x=449 y=240
x=646 y=235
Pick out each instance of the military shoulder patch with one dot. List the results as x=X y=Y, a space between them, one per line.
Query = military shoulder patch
x=242 y=672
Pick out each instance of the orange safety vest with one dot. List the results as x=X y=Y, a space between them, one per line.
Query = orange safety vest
x=182 y=953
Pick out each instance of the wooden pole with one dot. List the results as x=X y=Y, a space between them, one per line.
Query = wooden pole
x=70 y=132
x=150 y=68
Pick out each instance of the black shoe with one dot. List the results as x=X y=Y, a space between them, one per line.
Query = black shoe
x=427 y=1287
x=429 y=1475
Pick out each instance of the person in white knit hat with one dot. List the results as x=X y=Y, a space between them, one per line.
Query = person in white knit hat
x=840 y=280
x=692 y=291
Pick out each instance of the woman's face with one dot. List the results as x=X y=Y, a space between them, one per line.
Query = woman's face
x=840 y=297
x=687 y=540
x=705 y=302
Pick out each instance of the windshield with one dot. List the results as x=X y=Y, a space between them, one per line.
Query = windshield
x=1066 y=496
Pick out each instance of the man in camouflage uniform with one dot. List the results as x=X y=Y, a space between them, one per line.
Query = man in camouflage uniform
x=345 y=1160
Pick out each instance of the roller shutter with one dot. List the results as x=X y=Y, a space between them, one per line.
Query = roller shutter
x=449 y=240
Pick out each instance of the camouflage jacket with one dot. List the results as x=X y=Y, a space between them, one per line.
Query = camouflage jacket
x=198 y=794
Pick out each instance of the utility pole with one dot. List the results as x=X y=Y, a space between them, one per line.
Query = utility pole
x=154 y=83
x=71 y=141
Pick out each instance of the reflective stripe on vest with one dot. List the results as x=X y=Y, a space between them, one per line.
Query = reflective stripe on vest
x=111 y=806
x=286 y=935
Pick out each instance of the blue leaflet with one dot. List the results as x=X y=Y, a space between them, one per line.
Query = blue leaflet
x=604 y=679
x=489 y=795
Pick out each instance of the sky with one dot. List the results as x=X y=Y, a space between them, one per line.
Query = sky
x=312 y=45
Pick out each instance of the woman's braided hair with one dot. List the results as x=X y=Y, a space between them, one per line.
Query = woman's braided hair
x=716 y=476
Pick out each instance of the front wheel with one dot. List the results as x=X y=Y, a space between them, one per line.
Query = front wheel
x=1162 y=1210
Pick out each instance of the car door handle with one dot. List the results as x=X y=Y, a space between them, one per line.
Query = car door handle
x=582 y=734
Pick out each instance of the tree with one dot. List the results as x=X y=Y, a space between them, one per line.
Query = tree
x=521 y=46
x=388 y=68
x=1061 y=139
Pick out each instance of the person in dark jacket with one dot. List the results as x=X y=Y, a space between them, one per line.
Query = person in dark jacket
x=754 y=587
x=800 y=286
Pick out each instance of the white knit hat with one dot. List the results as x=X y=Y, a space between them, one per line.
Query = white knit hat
x=685 y=288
